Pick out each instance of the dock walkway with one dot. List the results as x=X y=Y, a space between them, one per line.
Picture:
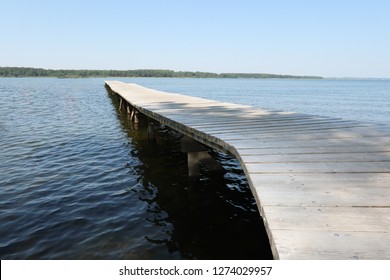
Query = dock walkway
x=322 y=185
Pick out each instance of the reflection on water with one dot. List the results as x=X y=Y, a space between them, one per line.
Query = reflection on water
x=214 y=217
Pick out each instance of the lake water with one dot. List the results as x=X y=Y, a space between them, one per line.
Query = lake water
x=78 y=181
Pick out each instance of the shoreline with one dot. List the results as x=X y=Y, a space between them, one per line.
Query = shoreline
x=16 y=72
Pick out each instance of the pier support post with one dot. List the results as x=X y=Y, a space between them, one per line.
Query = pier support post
x=193 y=164
x=151 y=132
x=134 y=115
x=120 y=103
x=196 y=155
x=128 y=109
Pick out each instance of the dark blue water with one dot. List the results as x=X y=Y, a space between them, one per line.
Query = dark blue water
x=79 y=181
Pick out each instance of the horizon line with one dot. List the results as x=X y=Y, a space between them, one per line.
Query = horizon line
x=197 y=71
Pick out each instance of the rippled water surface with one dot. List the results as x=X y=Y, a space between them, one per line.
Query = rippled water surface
x=79 y=181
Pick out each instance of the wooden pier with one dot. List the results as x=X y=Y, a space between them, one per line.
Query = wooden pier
x=322 y=185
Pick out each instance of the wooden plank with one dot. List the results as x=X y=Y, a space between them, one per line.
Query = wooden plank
x=329 y=157
x=287 y=130
x=341 y=219
x=315 y=135
x=359 y=129
x=337 y=180
x=312 y=150
x=260 y=128
x=382 y=142
x=328 y=245
x=320 y=167
x=328 y=196
x=277 y=126
x=262 y=115
x=238 y=122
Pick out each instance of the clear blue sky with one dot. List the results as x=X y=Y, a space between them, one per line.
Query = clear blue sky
x=327 y=38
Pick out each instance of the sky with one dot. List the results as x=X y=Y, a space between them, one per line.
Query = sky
x=326 y=38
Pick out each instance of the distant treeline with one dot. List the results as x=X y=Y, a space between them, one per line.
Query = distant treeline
x=39 y=72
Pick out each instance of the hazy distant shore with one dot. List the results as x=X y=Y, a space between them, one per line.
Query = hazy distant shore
x=39 y=72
